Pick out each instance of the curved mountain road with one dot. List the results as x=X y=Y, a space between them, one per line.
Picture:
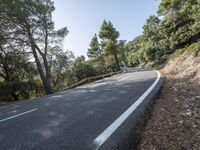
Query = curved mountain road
x=99 y=115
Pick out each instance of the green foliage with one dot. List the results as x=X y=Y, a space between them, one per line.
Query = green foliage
x=193 y=48
x=178 y=52
x=122 y=51
x=15 y=90
x=64 y=79
x=94 y=51
x=134 y=45
x=109 y=54
x=147 y=47
x=109 y=41
x=60 y=62
x=180 y=24
x=82 y=69
x=107 y=31
x=27 y=34
x=169 y=5
x=178 y=29
x=31 y=26
x=16 y=73
x=97 y=55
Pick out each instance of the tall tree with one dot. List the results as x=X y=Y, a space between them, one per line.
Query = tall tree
x=109 y=41
x=35 y=28
x=122 y=53
x=132 y=48
x=96 y=53
x=151 y=40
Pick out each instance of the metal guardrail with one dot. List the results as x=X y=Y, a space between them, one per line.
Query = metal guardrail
x=91 y=79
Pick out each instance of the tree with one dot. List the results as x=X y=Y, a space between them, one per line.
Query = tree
x=180 y=23
x=109 y=35
x=151 y=40
x=59 y=61
x=122 y=53
x=167 y=6
x=150 y=30
x=16 y=74
x=179 y=27
x=149 y=46
x=96 y=53
x=132 y=48
x=35 y=29
x=82 y=69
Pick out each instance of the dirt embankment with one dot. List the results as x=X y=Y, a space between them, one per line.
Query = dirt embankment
x=175 y=121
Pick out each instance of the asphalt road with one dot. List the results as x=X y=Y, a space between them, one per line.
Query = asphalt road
x=92 y=116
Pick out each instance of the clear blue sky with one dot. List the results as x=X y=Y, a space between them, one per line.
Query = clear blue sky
x=83 y=19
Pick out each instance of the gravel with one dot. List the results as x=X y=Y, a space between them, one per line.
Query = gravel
x=175 y=121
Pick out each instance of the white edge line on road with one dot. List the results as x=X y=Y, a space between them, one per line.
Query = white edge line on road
x=26 y=112
x=123 y=78
x=110 y=129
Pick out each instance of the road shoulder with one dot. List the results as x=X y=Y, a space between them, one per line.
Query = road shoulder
x=175 y=119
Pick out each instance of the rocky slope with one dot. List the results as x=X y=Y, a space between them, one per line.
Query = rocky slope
x=175 y=121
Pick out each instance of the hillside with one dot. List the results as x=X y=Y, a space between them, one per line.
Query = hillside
x=176 y=116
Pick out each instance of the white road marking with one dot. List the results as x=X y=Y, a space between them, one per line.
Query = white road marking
x=123 y=78
x=26 y=112
x=110 y=129
x=1 y=107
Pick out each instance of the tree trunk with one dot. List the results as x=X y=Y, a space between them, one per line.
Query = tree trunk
x=46 y=79
x=117 y=61
x=103 y=64
x=48 y=86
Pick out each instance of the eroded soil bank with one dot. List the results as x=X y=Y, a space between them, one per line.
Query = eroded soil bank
x=175 y=120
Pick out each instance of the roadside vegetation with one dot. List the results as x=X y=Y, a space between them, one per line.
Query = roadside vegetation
x=33 y=62
x=175 y=120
